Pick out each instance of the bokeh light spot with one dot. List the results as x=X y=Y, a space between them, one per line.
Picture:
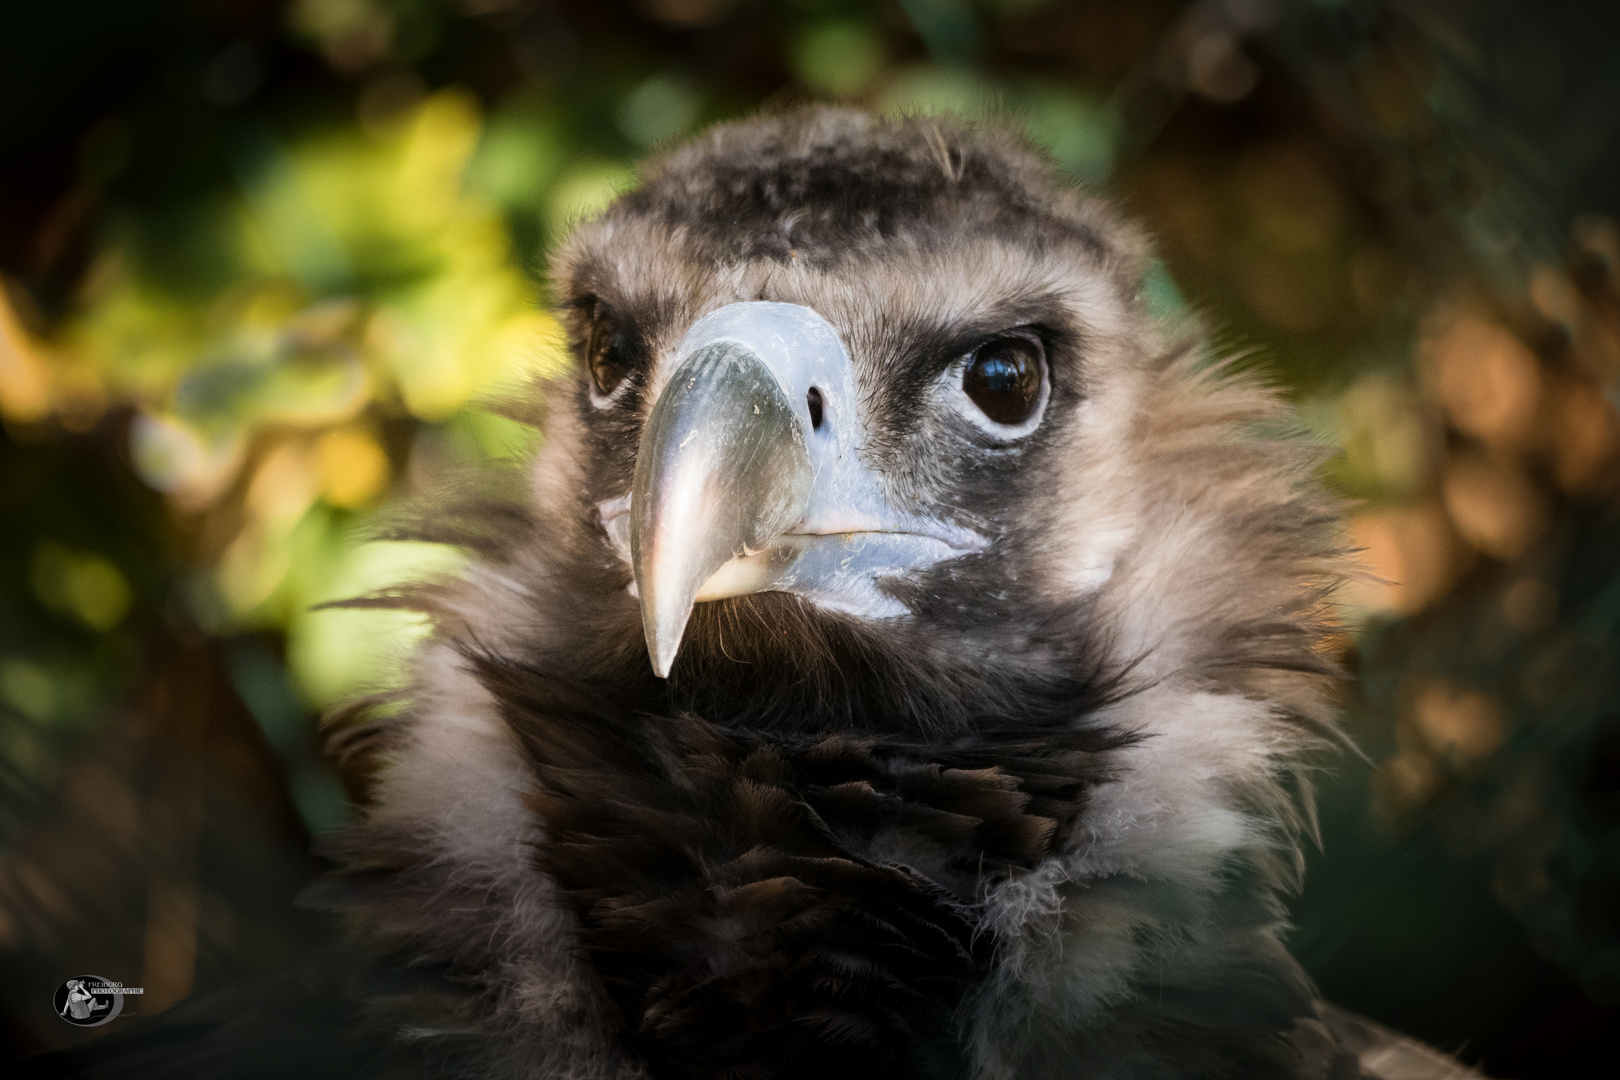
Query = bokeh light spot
x=82 y=584
x=659 y=109
x=352 y=467
x=838 y=57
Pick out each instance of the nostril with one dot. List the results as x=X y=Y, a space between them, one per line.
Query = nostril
x=813 y=399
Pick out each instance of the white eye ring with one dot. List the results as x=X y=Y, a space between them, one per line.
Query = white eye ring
x=609 y=400
x=954 y=393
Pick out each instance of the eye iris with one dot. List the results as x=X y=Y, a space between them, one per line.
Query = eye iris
x=608 y=368
x=1004 y=381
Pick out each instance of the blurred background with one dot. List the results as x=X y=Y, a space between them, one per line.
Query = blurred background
x=261 y=260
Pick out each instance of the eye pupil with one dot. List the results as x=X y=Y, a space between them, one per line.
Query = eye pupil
x=1004 y=380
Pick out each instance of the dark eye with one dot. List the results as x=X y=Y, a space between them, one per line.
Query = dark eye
x=608 y=357
x=1004 y=379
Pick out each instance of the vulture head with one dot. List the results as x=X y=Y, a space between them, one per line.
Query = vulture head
x=872 y=427
x=903 y=658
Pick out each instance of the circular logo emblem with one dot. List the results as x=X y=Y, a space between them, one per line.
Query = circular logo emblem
x=88 y=1000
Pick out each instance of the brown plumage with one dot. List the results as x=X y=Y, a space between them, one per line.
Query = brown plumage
x=729 y=883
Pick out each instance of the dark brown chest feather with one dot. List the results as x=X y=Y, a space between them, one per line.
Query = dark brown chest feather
x=785 y=906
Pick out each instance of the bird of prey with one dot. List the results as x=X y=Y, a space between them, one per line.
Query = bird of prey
x=905 y=660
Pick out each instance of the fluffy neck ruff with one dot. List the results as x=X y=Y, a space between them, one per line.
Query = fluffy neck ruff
x=785 y=905
x=816 y=849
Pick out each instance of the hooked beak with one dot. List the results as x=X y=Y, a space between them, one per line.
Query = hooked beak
x=748 y=479
x=722 y=471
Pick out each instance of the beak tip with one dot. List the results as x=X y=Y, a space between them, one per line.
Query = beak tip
x=664 y=639
x=662 y=658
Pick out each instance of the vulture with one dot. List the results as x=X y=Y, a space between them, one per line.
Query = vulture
x=906 y=657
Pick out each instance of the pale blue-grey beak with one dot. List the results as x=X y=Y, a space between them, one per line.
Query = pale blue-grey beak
x=749 y=479
x=722 y=472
